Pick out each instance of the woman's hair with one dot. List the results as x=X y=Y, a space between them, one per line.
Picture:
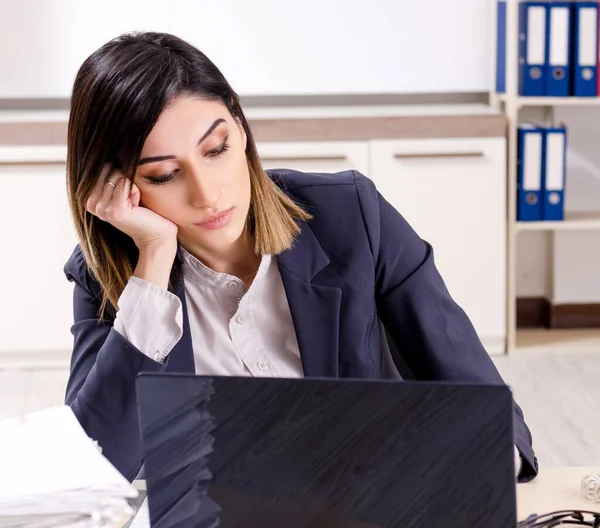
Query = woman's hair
x=118 y=95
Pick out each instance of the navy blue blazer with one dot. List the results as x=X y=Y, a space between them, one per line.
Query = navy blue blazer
x=355 y=264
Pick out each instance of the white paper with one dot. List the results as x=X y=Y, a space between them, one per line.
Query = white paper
x=142 y=519
x=53 y=474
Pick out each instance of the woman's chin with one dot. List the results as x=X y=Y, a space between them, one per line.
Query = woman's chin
x=217 y=240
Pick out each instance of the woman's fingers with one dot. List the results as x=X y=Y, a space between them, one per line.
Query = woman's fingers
x=122 y=190
x=108 y=206
x=117 y=205
x=96 y=194
x=135 y=195
x=109 y=198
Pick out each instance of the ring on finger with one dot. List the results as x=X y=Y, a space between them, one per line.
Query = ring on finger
x=111 y=184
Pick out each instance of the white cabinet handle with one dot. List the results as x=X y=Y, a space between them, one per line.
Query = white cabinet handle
x=434 y=155
x=303 y=158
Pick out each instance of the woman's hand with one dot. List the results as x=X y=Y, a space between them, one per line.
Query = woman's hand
x=117 y=201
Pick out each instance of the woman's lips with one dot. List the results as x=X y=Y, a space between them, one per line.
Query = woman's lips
x=217 y=221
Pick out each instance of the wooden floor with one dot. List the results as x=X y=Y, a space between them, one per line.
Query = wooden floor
x=559 y=393
x=560 y=396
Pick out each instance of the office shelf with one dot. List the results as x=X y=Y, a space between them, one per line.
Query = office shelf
x=510 y=104
x=522 y=102
x=579 y=221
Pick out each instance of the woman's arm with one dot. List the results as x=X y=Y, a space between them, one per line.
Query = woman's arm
x=431 y=331
x=104 y=365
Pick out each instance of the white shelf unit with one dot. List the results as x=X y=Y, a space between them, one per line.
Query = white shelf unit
x=575 y=221
x=510 y=104
x=522 y=101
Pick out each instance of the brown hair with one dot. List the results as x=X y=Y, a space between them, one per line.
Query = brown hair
x=118 y=94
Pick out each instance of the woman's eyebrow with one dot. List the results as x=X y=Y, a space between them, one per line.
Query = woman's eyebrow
x=210 y=130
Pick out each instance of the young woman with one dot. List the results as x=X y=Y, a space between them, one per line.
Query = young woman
x=192 y=258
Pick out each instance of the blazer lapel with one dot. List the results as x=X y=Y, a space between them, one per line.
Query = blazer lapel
x=315 y=308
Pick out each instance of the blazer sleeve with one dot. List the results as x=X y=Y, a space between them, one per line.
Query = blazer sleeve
x=104 y=365
x=431 y=331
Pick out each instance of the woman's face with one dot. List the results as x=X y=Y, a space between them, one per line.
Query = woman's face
x=193 y=171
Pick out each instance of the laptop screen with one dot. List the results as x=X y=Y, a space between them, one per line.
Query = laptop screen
x=270 y=452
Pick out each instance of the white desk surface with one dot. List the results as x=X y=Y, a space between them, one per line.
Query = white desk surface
x=553 y=489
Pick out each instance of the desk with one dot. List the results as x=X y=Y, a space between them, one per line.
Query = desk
x=553 y=489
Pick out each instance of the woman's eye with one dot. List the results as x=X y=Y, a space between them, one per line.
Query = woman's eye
x=161 y=180
x=220 y=150
x=166 y=178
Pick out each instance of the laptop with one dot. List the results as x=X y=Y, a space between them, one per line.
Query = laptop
x=251 y=452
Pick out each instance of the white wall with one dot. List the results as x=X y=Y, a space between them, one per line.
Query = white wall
x=564 y=270
x=576 y=268
x=264 y=47
x=534 y=265
x=29 y=45
x=267 y=47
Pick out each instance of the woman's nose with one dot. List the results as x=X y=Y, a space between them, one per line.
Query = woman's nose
x=204 y=190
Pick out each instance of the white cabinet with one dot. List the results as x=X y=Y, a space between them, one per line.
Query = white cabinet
x=37 y=239
x=453 y=193
x=315 y=156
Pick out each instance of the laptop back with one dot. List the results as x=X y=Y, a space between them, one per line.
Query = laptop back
x=336 y=453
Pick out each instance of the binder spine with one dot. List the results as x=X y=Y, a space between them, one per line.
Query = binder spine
x=554 y=151
x=585 y=49
x=501 y=47
x=558 y=74
x=529 y=173
x=533 y=47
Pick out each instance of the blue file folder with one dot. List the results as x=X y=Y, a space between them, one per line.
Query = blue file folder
x=501 y=47
x=585 y=49
x=533 y=47
x=554 y=152
x=529 y=173
x=558 y=71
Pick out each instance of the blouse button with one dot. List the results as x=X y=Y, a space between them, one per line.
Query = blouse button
x=263 y=365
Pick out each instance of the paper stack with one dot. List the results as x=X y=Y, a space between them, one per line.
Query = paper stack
x=53 y=474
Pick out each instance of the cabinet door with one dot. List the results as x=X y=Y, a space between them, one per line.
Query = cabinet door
x=38 y=237
x=315 y=156
x=453 y=193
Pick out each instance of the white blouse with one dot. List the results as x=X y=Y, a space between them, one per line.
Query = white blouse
x=234 y=331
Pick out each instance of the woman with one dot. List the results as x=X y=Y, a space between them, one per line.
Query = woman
x=193 y=259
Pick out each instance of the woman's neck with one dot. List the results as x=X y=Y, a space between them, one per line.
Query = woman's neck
x=238 y=259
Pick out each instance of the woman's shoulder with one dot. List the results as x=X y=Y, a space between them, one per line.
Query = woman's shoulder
x=342 y=204
x=77 y=270
x=333 y=189
x=295 y=179
x=75 y=264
